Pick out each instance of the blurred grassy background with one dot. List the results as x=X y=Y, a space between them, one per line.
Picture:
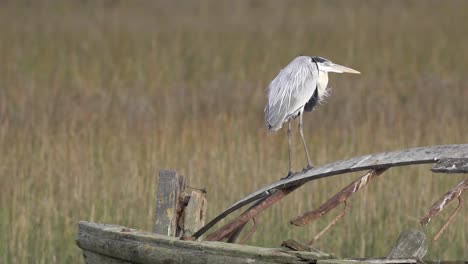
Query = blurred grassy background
x=97 y=96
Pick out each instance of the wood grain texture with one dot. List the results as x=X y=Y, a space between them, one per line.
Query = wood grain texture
x=109 y=241
x=411 y=243
x=92 y=257
x=366 y=261
x=451 y=166
x=368 y=162
x=170 y=188
x=195 y=212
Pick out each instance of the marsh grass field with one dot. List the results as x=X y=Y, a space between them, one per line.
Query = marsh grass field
x=97 y=96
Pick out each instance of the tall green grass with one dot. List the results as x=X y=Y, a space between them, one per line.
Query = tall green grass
x=97 y=97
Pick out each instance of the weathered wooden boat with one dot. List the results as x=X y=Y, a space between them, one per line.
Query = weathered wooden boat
x=103 y=243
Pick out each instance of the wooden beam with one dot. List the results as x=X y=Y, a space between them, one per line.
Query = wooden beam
x=117 y=244
x=366 y=261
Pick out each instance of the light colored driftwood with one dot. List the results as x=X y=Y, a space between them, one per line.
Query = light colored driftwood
x=411 y=243
x=195 y=212
x=109 y=242
x=168 y=205
x=368 y=162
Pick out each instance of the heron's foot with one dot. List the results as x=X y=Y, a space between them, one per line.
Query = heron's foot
x=308 y=167
x=290 y=174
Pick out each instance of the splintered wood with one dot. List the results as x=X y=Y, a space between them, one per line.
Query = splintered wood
x=195 y=212
x=447 y=165
x=454 y=193
x=225 y=231
x=178 y=213
x=330 y=225
x=251 y=232
x=168 y=206
x=339 y=198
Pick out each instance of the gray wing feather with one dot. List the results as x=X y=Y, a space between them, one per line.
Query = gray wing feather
x=289 y=91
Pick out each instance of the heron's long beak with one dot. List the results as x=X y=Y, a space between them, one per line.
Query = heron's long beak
x=332 y=67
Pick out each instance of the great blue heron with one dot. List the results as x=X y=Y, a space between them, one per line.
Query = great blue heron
x=298 y=88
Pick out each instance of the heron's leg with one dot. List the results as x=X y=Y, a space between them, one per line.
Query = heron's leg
x=309 y=163
x=289 y=149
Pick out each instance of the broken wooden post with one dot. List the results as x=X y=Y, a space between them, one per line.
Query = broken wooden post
x=195 y=212
x=168 y=206
x=178 y=213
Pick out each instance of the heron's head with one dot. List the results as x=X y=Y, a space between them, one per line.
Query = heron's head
x=328 y=66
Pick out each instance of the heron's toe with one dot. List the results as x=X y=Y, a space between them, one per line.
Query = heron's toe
x=308 y=167
x=290 y=174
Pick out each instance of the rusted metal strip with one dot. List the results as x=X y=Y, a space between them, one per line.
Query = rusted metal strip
x=338 y=198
